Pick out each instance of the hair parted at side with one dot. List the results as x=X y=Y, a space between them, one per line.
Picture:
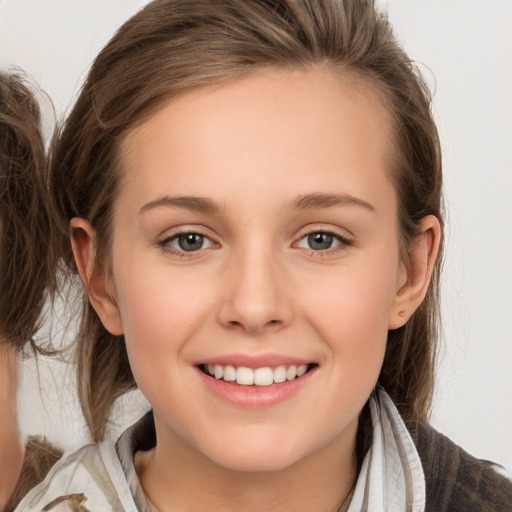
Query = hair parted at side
x=172 y=46
x=27 y=263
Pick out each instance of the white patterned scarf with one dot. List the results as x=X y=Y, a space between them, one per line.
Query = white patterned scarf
x=391 y=477
x=98 y=478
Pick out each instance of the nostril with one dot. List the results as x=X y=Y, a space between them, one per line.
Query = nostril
x=270 y=322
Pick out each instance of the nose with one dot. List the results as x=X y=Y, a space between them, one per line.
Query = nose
x=257 y=294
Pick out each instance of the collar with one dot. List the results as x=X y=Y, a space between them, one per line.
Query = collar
x=391 y=476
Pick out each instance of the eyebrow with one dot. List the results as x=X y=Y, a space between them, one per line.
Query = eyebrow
x=318 y=201
x=198 y=204
x=304 y=202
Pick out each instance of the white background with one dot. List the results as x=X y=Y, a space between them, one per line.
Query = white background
x=464 y=48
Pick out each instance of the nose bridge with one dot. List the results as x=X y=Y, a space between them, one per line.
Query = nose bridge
x=255 y=296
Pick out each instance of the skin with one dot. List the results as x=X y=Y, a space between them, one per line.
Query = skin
x=254 y=149
x=11 y=447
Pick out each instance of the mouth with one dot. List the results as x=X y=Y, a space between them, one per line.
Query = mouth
x=263 y=376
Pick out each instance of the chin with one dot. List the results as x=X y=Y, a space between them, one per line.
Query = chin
x=250 y=463
x=253 y=455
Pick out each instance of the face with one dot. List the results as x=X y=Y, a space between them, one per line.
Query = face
x=255 y=266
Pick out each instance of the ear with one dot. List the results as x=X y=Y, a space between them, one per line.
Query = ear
x=413 y=282
x=94 y=275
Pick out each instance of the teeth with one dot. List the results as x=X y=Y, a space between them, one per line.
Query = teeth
x=229 y=373
x=218 y=371
x=280 y=374
x=265 y=376
x=291 y=373
x=301 y=370
x=245 y=376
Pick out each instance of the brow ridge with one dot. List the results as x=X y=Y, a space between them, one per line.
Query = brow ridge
x=303 y=202
x=199 y=204
x=321 y=200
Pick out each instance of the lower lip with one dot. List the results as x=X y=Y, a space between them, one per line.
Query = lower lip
x=255 y=396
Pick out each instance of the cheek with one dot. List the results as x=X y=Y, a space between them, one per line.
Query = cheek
x=350 y=311
x=355 y=302
x=158 y=320
x=159 y=313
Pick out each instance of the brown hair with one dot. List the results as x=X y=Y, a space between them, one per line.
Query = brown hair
x=172 y=46
x=27 y=266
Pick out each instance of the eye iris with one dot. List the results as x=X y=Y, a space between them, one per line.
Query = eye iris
x=320 y=241
x=190 y=242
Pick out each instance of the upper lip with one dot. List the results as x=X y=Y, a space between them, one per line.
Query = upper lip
x=254 y=361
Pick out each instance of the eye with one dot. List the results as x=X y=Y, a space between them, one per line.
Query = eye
x=322 y=241
x=186 y=242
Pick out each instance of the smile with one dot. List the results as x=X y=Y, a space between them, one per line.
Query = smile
x=264 y=376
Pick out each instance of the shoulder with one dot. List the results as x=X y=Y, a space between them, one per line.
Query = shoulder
x=87 y=479
x=457 y=481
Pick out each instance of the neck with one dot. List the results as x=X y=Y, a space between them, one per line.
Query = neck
x=173 y=472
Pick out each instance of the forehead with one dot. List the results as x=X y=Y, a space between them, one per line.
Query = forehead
x=272 y=125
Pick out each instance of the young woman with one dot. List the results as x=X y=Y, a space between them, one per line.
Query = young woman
x=26 y=270
x=251 y=194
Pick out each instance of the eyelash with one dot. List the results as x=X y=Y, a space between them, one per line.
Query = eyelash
x=166 y=247
x=343 y=242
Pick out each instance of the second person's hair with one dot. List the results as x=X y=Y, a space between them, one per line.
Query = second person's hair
x=27 y=263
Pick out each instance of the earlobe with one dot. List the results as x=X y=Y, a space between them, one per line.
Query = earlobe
x=423 y=256
x=94 y=276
